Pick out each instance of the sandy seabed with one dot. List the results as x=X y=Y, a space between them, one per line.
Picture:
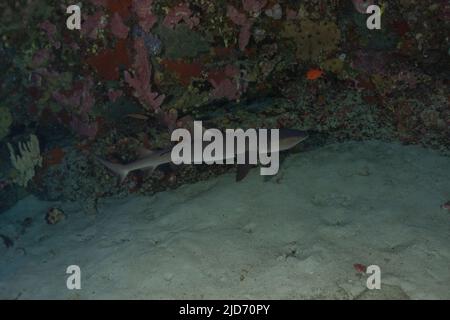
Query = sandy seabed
x=294 y=236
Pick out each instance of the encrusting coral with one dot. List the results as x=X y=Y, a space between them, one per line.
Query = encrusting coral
x=314 y=40
x=26 y=160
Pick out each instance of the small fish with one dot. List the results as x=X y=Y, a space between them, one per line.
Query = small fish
x=314 y=74
x=360 y=267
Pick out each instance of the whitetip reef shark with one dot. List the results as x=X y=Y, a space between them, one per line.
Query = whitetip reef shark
x=151 y=159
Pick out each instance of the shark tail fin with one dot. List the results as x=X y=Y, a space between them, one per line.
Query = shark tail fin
x=120 y=170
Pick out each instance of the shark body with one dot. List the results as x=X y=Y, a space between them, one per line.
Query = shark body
x=151 y=159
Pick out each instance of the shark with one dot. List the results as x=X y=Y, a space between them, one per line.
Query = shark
x=152 y=159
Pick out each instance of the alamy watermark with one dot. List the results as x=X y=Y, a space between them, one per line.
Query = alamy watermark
x=374 y=280
x=73 y=22
x=237 y=146
x=73 y=281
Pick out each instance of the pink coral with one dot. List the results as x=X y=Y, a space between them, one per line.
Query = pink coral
x=179 y=13
x=140 y=82
x=143 y=9
x=241 y=20
x=169 y=118
x=225 y=89
x=254 y=7
x=50 y=30
x=373 y=62
x=231 y=71
x=237 y=17
x=79 y=104
x=362 y=5
x=113 y=95
x=244 y=35
x=40 y=57
x=86 y=97
x=48 y=27
x=67 y=101
x=226 y=83
x=118 y=28
x=93 y=24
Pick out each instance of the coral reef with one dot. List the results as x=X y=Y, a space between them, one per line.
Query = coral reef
x=25 y=162
x=54 y=216
x=181 y=42
x=179 y=13
x=140 y=82
x=140 y=68
x=143 y=10
x=315 y=41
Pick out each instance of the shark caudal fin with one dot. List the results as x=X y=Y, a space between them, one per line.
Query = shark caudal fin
x=120 y=170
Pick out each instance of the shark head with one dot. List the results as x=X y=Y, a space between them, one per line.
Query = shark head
x=289 y=138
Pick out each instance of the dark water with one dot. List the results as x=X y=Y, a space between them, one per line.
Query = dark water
x=368 y=187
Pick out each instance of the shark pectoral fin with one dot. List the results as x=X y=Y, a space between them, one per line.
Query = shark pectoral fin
x=120 y=170
x=242 y=171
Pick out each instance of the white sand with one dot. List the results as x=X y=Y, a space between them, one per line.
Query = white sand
x=294 y=236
